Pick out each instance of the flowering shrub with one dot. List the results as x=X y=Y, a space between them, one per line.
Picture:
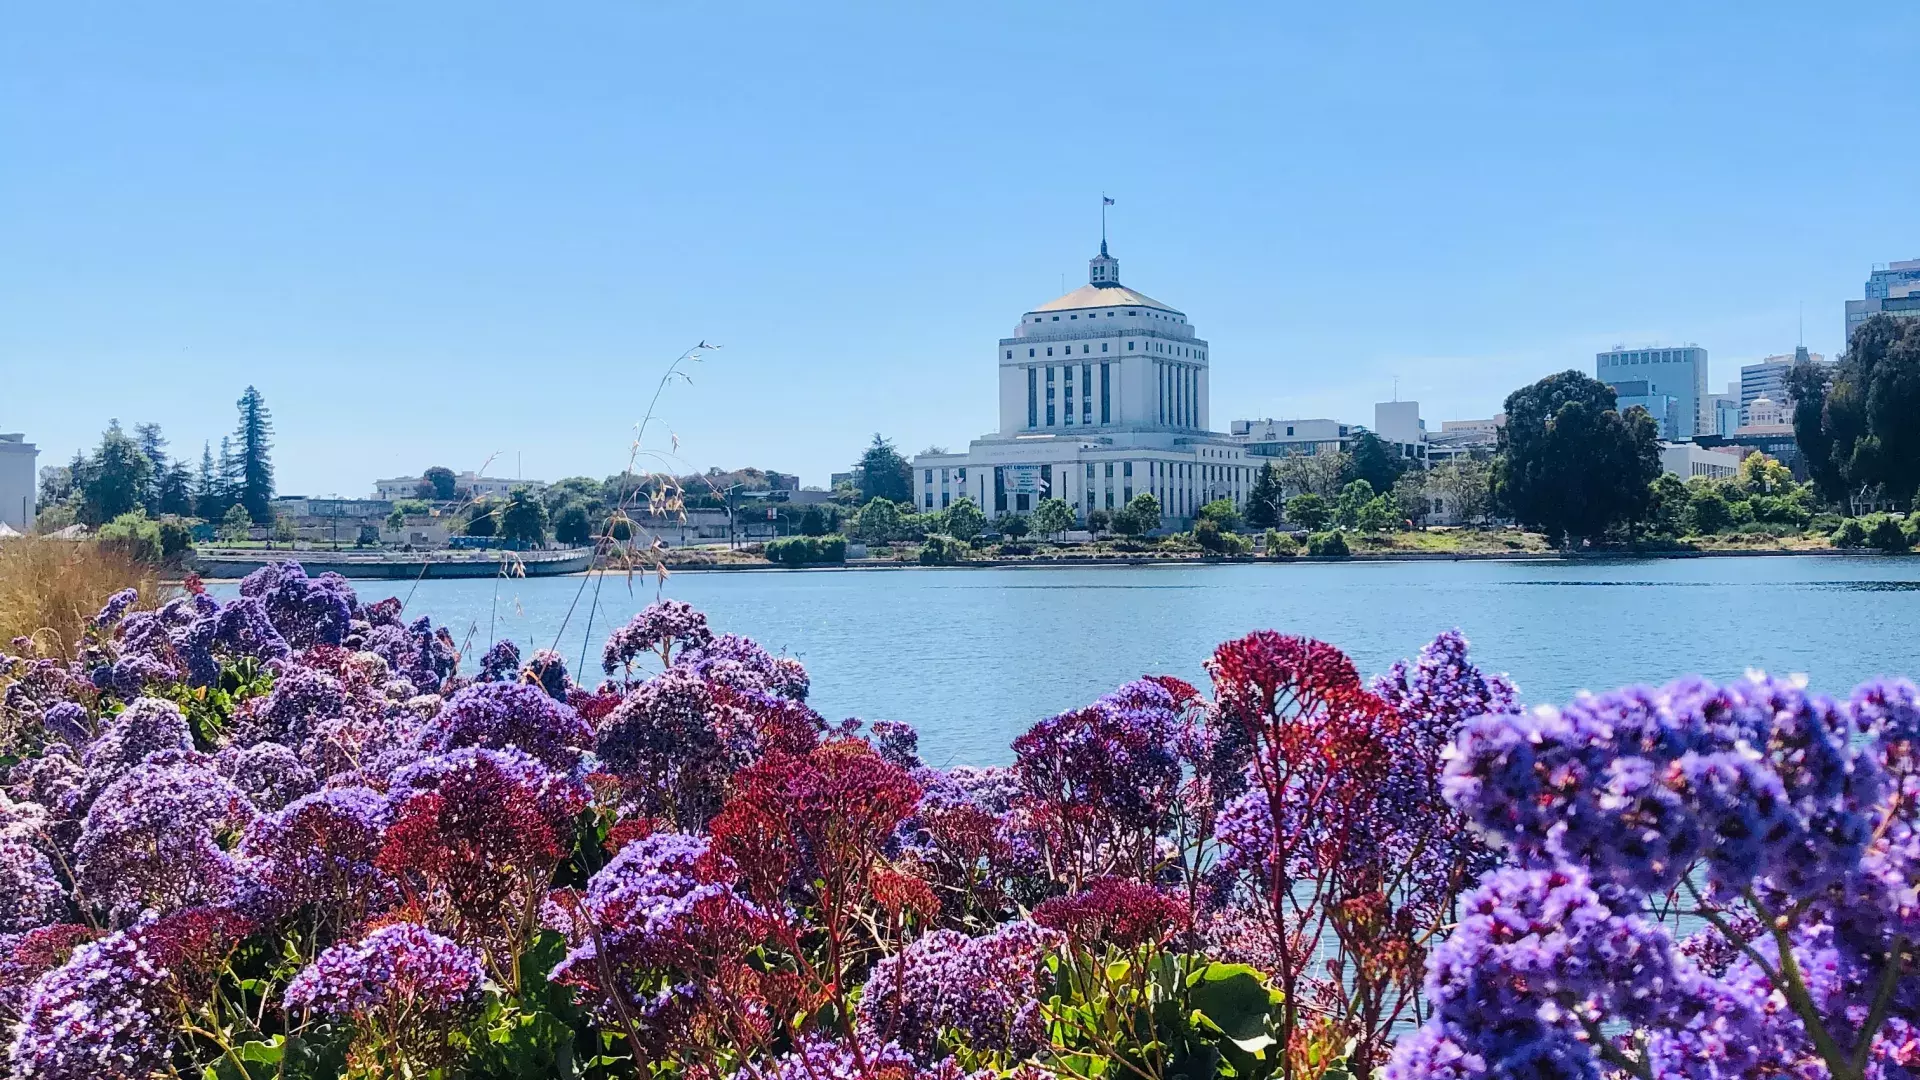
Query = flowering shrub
x=294 y=834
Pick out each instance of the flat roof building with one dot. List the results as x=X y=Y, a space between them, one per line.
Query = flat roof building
x=17 y=475
x=1679 y=372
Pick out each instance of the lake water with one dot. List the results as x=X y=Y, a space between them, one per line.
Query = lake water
x=972 y=657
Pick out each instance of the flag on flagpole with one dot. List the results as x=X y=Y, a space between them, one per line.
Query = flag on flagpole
x=1105 y=201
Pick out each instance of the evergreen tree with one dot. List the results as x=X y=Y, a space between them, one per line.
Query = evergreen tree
x=227 y=479
x=1375 y=462
x=883 y=474
x=206 y=487
x=255 y=471
x=174 y=494
x=154 y=445
x=114 y=480
x=1266 y=503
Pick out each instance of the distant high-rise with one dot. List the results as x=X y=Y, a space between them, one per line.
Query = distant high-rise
x=1768 y=379
x=1893 y=289
x=1679 y=373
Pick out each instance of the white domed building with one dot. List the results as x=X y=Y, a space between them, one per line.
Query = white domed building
x=1103 y=396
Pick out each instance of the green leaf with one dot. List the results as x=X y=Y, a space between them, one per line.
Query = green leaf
x=1234 y=1000
x=1117 y=971
x=267 y=1053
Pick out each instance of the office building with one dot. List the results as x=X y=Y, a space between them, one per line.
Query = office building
x=17 y=487
x=1768 y=379
x=1639 y=393
x=1893 y=289
x=1104 y=395
x=1724 y=410
x=1687 y=460
x=1676 y=372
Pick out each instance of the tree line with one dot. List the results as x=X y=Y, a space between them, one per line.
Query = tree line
x=138 y=474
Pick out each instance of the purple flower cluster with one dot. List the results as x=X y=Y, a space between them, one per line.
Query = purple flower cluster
x=510 y=715
x=737 y=662
x=985 y=991
x=320 y=849
x=306 y=611
x=548 y=670
x=402 y=969
x=100 y=1014
x=663 y=909
x=1758 y=778
x=153 y=839
x=1785 y=801
x=115 y=607
x=30 y=894
x=1098 y=784
x=663 y=628
x=501 y=662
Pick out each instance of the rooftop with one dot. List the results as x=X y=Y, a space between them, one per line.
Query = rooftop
x=1099 y=296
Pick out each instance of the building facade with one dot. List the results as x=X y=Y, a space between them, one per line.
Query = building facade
x=17 y=481
x=1893 y=289
x=1676 y=372
x=466 y=485
x=1688 y=460
x=1768 y=379
x=1103 y=396
x=1639 y=393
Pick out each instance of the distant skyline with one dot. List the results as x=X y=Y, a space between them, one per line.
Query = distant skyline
x=434 y=233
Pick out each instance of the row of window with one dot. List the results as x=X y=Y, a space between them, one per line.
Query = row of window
x=1655 y=356
x=1182 y=351
x=1074 y=317
x=1054 y=417
x=1179 y=394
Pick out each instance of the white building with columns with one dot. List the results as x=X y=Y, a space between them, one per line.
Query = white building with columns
x=1103 y=396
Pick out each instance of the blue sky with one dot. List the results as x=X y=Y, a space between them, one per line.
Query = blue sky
x=435 y=232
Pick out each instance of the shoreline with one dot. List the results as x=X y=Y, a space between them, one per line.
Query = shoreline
x=1045 y=563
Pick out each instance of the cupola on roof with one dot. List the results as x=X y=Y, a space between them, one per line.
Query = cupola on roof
x=1103 y=289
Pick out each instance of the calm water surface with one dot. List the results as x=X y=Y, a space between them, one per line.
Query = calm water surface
x=972 y=657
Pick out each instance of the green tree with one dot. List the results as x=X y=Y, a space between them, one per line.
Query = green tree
x=154 y=445
x=523 y=518
x=1570 y=465
x=813 y=522
x=440 y=480
x=1309 y=511
x=206 y=487
x=1353 y=497
x=483 y=518
x=1761 y=475
x=1146 y=510
x=114 y=479
x=883 y=474
x=965 y=520
x=1860 y=427
x=1708 y=510
x=1014 y=526
x=572 y=526
x=1374 y=460
x=878 y=521
x=1052 y=517
x=1266 y=505
x=1667 y=508
x=1221 y=512
x=255 y=469
x=1409 y=498
x=283 y=530
x=1465 y=488
x=235 y=526
x=1099 y=521
x=174 y=493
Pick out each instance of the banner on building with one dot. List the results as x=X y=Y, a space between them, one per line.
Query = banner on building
x=1023 y=480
